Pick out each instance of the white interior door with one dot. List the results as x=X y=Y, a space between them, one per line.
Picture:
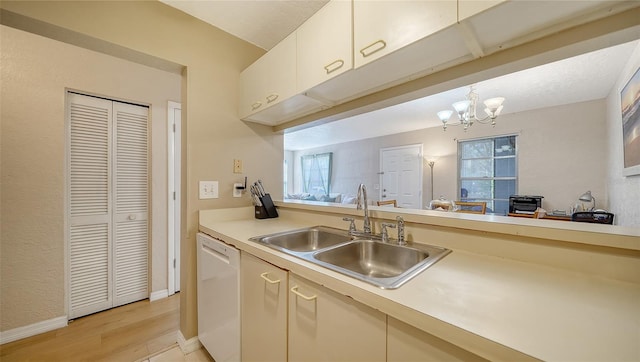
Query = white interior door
x=174 y=157
x=401 y=175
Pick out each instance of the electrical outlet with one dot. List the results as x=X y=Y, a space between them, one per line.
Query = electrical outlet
x=237 y=166
x=208 y=190
x=237 y=192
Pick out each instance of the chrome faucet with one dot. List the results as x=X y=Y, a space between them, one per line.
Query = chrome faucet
x=384 y=234
x=362 y=199
x=401 y=240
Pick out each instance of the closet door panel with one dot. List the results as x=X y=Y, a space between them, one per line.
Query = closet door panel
x=131 y=203
x=108 y=232
x=89 y=205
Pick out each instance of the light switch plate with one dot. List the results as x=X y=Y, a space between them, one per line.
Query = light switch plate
x=208 y=190
x=237 y=166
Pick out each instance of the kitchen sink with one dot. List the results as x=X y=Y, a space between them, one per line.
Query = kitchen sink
x=373 y=259
x=308 y=239
x=384 y=265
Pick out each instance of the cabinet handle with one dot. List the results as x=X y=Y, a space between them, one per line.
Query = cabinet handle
x=329 y=68
x=264 y=276
x=271 y=98
x=364 y=53
x=132 y=217
x=256 y=105
x=295 y=291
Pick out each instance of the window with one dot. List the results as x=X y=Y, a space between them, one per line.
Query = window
x=488 y=171
x=316 y=173
x=285 y=178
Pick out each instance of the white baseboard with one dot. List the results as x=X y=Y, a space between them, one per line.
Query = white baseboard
x=32 y=329
x=159 y=295
x=188 y=346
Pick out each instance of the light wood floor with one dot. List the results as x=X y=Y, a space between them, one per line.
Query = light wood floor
x=128 y=333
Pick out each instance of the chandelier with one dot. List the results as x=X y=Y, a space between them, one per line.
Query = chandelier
x=467 y=111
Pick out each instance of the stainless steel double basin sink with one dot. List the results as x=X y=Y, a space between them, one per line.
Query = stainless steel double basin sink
x=384 y=265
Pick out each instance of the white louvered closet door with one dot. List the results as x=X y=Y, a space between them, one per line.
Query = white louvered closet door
x=130 y=214
x=107 y=191
x=90 y=280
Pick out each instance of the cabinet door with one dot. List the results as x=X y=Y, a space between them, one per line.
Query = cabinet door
x=264 y=310
x=408 y=343
x=270 y=79
x=325 y=45
x=327 y=326
x=381 y=27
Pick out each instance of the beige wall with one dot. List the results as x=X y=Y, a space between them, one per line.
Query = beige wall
x=35 y=74
x=561 y=154
x=213 y=135
x=623 y=191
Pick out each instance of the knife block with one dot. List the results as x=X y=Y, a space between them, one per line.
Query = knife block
x=267 y=210
x=261 y=212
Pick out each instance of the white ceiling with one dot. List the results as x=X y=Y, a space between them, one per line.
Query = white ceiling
x=266 y=22
x=260 y=22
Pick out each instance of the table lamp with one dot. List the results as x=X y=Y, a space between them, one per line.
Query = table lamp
x=587 y=197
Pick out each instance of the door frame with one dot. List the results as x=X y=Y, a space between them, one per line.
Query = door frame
x=419 y=147
x=174 y=144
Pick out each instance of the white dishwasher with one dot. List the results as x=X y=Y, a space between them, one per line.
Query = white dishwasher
x=218 y=298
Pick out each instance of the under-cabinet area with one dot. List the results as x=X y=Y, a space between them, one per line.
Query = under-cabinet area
x=509 y=290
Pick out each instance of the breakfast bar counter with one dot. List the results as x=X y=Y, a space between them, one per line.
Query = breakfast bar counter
x=510 y=289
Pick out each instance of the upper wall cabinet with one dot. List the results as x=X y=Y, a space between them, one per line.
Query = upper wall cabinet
x=350 y=49
x=325 y=47
x=268 y=87
x=382 y=27
x=395 y=41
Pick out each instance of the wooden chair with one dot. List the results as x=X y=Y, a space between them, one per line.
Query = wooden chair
x=470 y=207
x=388 y=202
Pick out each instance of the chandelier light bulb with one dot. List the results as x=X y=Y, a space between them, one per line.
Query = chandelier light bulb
x=461 y=106
x=445 y=115
x=494 y=105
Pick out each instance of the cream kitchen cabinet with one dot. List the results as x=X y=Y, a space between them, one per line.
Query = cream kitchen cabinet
x=325 y=47
x=268 y=87
x=382 y=27
x=264 y=310
x=408 y=343
x=327 y=326
x=395 y=41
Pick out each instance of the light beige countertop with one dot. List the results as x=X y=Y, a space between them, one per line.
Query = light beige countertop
x=496 y=307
